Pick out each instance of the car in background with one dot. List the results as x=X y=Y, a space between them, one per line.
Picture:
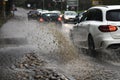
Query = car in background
x=69 y=16
x=50 y=17
x=56 y=11
x=33 y=14
x=99 y=28
x=39 y=11
x=44 y=11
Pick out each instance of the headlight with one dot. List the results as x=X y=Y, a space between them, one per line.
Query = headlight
x=66 y=17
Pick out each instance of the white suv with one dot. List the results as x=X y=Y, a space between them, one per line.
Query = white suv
x=100 y=28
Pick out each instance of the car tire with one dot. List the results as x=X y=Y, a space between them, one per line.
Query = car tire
x=91 y=46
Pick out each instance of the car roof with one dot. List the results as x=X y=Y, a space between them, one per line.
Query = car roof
x=43 y=12
x=55 y=12
x=69 y=11
x=106 y=7
x=49 y=13
x=39 y=9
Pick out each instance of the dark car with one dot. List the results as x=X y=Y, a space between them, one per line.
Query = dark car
x=33 y=14
x=50 y=17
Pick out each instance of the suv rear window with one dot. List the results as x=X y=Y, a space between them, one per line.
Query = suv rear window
x=113 y=15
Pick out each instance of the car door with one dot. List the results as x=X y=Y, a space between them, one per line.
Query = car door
x=83 y=29
x=87 y=22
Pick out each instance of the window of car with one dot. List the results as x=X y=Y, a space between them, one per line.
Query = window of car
x=95 y=15
x=113 y=15
x=70 y=13
x=83 y=17
x=92 y=15
x=50 y=14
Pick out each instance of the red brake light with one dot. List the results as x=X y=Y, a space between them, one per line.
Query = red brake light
x=107 y=28
x=59 y=19
x=41 y=20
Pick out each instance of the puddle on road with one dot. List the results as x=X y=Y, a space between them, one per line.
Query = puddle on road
x=89 y=68
x=105 y=55
x=50 y=39
x=111 y=56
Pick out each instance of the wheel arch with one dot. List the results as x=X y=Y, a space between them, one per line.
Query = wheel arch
x=90 y=36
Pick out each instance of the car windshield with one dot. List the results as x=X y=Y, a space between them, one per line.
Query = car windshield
x=71 y=13
x=113 y=15
x=50 y=14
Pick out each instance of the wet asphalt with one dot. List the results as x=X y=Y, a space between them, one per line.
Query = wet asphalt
x=28 y=47
x=20 y=37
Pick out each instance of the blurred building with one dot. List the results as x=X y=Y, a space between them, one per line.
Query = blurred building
x=97 y=2
x=46 y=4
x=1 y=6
x=59 y=4
x=84 y=4
x=74 y=4
x=39 y=4
x=111 y=2
x=105 y=2
x=6 y=6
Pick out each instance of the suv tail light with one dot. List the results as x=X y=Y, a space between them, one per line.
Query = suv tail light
x=41 y=20
x=107 y=28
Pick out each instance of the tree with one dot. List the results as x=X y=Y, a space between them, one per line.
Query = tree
x=111 y=2
x=20 y=3
x=84 y=4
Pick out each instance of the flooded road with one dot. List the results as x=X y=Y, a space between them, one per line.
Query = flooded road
x=30 y=50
